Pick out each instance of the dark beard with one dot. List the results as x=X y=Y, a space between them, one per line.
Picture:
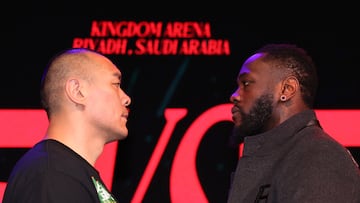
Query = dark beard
x=254 y=122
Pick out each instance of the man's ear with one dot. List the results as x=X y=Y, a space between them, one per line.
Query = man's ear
x=289 y=87
x=74 y=90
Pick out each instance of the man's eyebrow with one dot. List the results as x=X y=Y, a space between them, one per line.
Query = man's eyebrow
x=117 y=75
x=242 y=75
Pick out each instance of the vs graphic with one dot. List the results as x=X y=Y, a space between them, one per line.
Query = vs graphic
x=22 y=128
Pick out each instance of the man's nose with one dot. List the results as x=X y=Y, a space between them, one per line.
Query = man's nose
x=235 y=96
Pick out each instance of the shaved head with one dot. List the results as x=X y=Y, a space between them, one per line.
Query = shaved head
x=70 y=63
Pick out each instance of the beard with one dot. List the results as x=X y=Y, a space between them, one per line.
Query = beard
x=253 y=122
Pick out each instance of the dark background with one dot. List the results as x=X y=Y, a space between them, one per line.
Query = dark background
x=207 y=81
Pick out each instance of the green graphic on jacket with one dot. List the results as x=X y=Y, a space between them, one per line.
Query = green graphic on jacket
x=103 y=193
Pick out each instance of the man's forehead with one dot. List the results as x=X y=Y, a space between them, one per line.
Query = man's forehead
x=254 y=57
x=245 y=68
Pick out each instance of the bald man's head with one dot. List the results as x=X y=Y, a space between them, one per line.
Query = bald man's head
x=74 y=63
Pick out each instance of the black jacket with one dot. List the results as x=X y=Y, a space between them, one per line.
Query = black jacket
x=295 y=162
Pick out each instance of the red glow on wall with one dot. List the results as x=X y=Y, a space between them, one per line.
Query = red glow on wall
x=184 y=183
x=22 y=128
x=172 y=116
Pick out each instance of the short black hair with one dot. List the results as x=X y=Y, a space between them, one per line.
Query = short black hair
x=296 y=61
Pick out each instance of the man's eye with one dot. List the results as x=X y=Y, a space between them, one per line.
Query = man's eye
x=117 y=84
x=245 y=83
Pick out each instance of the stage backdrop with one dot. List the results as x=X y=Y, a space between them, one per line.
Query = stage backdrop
x=180 y=73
